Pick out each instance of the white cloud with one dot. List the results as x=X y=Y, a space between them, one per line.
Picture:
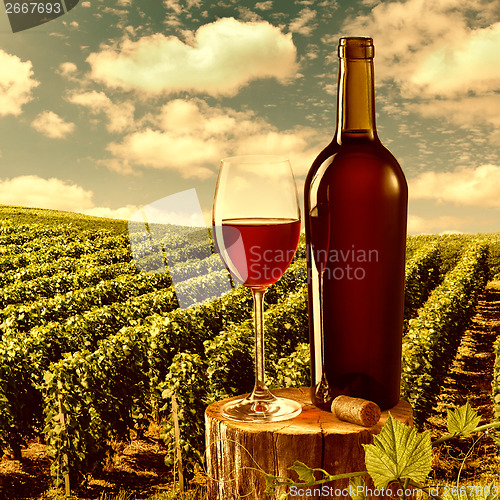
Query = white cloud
x=471 y=186
x=72 y=25
x=190 y=137
x=123 y=213
x=443 y=224
x=34 y=191
x=155 y=149
x=67 y=69
x=173 y=5
x=223 y=57
x=266 y=5
x=180 y=6
x=430 y=48
x=56 y=194
x=120 y=116
x=462 y=111
x=300 y=145
x=442 y=56
x=460 y=66
x=303 y=24
x=52 y=125
x=16 y=84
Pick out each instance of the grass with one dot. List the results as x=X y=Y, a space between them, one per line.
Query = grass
x=171 y=494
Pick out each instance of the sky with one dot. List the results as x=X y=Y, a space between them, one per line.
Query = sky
x=119 y=103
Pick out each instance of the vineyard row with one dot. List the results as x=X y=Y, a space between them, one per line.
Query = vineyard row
x=94 y=363
x=222 y=357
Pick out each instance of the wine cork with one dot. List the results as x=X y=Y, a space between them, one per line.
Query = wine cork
x=356 y=410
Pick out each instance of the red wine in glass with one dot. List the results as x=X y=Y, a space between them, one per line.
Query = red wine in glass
x=256 y=222
x=259 y=250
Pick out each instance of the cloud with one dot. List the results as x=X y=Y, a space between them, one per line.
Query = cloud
x=16 y=84
x=221 y=57
x=73 y=25
x=123 y=213
x=460 y=66
x=433 y=48
x=67 y=69
x=190 y=137
x=52 y=125
x=303 y=23
x=155 y=149
x=443 y=224
x=441 y=56
x=177 y=7
x=462 y=111
x=56 y=194
x=471 y=186
x=266 y=5
x=120 y=116
x=34 y=191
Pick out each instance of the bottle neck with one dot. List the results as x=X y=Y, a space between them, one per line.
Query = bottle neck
x=356 y=100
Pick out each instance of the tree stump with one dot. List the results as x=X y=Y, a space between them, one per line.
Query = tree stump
x=238 y=454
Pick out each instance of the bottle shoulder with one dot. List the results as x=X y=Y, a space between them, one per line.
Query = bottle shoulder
x=358 y=151
x=358 y=167
x=357 y=146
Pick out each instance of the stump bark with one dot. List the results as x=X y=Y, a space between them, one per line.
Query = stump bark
x=238 y=454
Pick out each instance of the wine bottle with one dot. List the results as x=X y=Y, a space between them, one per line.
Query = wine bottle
x=356 y=200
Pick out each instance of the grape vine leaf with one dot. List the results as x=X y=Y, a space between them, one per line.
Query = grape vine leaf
x=399 y=452
x=462 y=420
x=305 y=473
x=357 y=488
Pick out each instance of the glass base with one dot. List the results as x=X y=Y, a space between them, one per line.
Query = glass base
x=251 y=409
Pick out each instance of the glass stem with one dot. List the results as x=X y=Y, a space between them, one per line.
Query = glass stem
x=260 y=389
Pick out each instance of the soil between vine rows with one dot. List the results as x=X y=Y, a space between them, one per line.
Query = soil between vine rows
x=477 y=458
x=139 y=468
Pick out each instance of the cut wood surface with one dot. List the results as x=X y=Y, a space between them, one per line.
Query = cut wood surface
x=238 y=454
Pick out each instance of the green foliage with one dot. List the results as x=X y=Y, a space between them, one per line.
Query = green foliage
x=306 y=474
x=230 y=354
x=357 y=488
x=398 y=461
x=292 y=370
x=183 y=382
x=23 y=317
x=422 y=275
x=433 y=336
x=21 y=401
x=462 y=420
x=294 y=278
x=92 y=349
x=230 y=361
x=101 y=395
x=398 y=453
x=17 y=216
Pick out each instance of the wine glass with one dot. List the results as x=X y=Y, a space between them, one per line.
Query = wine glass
x=256 y=221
